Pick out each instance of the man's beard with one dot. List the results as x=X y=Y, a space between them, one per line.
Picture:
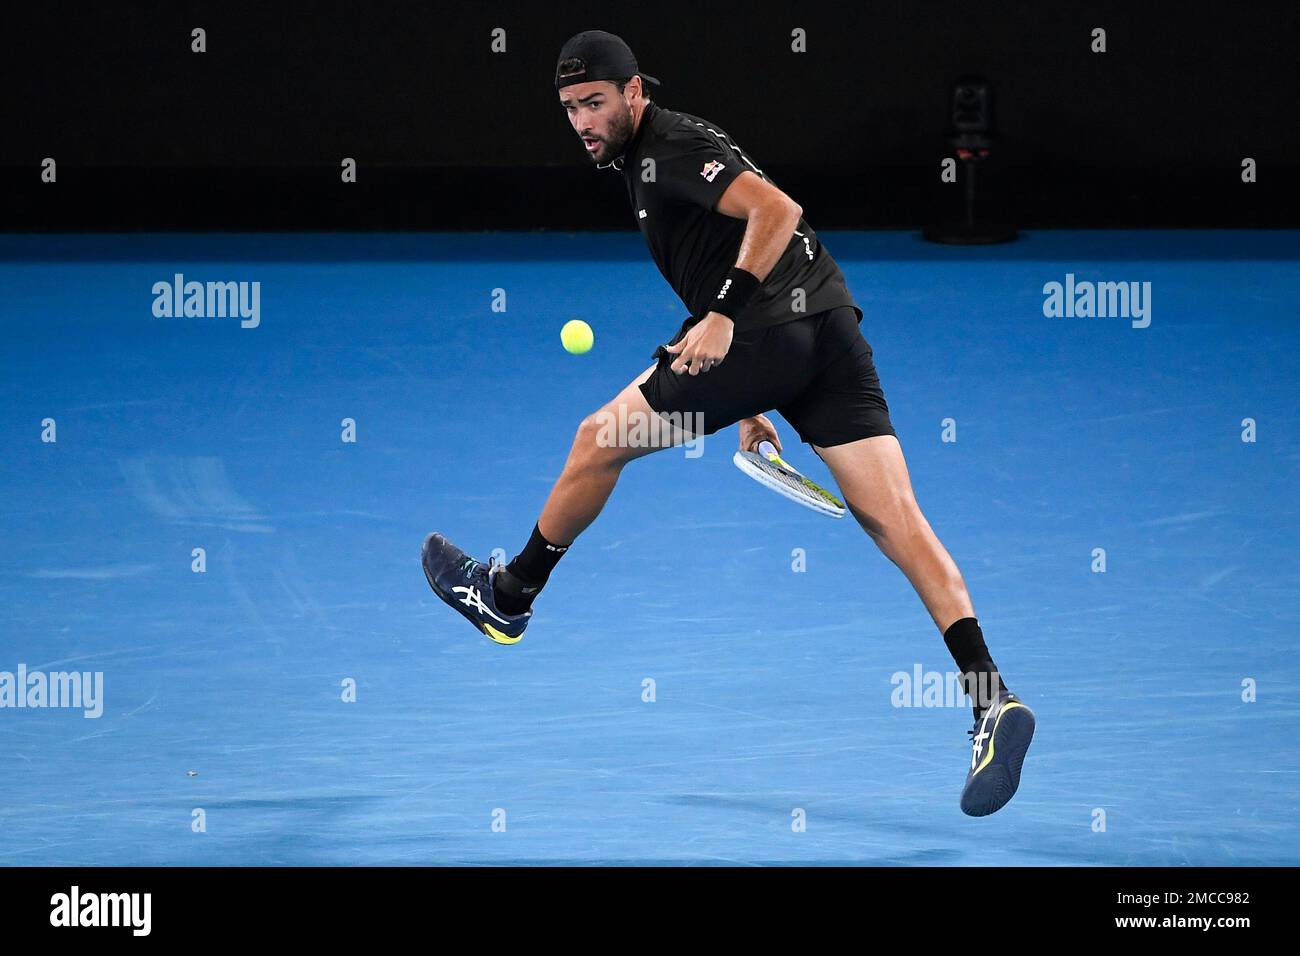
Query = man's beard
x=620 y=132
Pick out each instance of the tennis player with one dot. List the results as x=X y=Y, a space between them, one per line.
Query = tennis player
x=772 y=326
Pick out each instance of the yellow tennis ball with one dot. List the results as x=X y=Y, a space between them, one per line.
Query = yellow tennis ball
x=577 y=336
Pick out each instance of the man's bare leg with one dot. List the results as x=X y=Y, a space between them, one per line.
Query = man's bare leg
x=497 y=600
x=594 y=465
x=872 y=476
x=595 y=461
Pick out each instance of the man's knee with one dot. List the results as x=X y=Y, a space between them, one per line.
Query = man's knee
x=897 y=518
x=595 y=442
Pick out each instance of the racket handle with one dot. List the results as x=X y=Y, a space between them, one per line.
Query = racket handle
x=766 y=449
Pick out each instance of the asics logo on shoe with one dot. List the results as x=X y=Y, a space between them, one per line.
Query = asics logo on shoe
x=983 y=735
x=473 y=599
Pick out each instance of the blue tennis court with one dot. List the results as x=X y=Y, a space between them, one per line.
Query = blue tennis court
x=684 y=695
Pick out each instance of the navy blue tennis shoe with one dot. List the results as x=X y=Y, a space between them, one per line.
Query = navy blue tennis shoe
x=466 y=585
x=999 y=741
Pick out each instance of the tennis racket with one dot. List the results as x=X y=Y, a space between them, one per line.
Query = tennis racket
x=767 y=468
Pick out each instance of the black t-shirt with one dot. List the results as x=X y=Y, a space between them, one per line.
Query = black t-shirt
x=677 y=167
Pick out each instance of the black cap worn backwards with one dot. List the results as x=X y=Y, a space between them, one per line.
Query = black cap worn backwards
x=596 y=55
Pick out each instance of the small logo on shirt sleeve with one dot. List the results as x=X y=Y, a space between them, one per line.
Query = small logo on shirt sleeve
x=711 y=170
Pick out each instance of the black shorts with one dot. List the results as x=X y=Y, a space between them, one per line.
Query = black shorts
x=816 y=371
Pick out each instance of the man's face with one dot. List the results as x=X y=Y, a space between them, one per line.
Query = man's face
x=601 y=116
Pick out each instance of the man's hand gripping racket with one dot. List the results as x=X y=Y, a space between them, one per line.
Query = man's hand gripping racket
x=766 y=466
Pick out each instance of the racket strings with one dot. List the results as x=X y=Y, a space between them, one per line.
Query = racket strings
x=795 y=483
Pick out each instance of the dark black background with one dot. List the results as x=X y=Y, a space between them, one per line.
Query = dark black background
x=448 y=134
x=918 y=909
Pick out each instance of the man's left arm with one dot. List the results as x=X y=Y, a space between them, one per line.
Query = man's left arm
x=770 y=220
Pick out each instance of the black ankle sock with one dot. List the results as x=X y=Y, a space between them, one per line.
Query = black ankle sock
x=980 y=675
x=509 y=593
x=518 y=585
x=535 y=563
